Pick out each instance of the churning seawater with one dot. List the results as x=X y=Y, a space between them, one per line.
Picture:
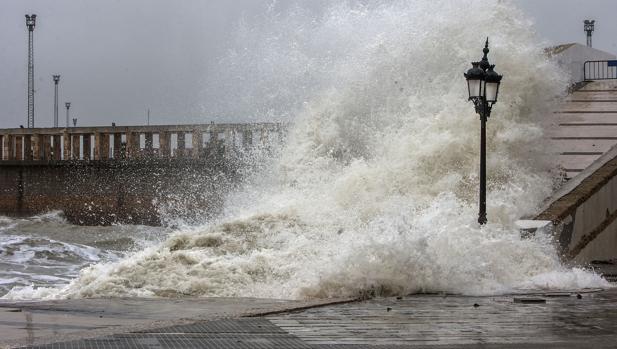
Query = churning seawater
x=375 y=188
x=45 y=250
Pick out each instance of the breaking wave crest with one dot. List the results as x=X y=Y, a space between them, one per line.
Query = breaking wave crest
x=375 y=189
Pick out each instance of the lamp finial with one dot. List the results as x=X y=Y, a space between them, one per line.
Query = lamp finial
x=484 y=64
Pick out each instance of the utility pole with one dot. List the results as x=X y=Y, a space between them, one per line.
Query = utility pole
x=56 y=80
x=30 y=23
x=589 y=25
x=67 y=105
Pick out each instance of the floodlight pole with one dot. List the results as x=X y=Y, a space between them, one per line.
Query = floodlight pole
x=56 y=80
x=589 y=25
x=68 y=106
x=30 y=24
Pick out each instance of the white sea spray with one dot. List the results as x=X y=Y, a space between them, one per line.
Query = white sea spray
x=375 y=189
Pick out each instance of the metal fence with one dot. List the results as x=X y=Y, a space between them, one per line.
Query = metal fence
x=600 y=70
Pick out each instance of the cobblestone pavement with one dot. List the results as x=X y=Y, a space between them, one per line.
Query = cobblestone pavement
x=555 y=320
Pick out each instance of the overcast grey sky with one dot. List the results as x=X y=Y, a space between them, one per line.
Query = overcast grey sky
x=118 y=58
x=561 y=21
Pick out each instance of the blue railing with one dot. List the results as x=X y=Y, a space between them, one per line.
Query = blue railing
x=600 y=70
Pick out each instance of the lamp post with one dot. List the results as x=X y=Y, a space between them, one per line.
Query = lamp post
x=30 y=23
x=483 y=86
x=589 y=26
x=56 y=80
x=68 y=106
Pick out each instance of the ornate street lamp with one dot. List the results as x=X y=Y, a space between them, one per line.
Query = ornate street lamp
x=483 y=86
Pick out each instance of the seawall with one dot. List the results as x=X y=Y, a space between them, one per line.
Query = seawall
x=107 y=192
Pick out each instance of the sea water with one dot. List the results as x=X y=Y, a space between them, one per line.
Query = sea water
x=47 y=251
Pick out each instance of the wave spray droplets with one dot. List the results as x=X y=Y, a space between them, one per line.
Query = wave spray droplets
x=375 y=189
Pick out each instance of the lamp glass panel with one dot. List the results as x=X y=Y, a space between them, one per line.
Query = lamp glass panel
x=475 y=88
x=491 y=91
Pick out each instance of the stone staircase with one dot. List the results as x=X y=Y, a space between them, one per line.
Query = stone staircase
x=585 y=127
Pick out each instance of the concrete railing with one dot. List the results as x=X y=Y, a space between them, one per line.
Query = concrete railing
x=126 y=142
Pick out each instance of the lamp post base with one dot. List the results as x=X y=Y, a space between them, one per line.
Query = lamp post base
x=482 y=219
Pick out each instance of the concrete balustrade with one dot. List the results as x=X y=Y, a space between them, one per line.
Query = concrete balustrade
x=181 y=144
x=247 y=139
x=8 y=147
x=118 y=150
x=87 y=147
x=19 y=155
x=35 y=141
x=197 y=143
x=93 y=143
x=27 y=149
x=149 y=143
x=47 y=150
x=76 y=147
x=57 y=147
x=164 y=144
x=132 y=144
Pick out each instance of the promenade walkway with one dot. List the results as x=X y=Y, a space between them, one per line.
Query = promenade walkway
x=543 y=320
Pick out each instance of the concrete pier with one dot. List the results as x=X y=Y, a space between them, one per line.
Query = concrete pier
x=92 y=143
x=106 y=175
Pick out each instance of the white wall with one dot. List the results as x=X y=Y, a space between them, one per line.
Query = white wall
x=573 y=58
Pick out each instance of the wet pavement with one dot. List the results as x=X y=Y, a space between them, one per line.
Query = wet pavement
x=543 y=320
x=41 y=322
